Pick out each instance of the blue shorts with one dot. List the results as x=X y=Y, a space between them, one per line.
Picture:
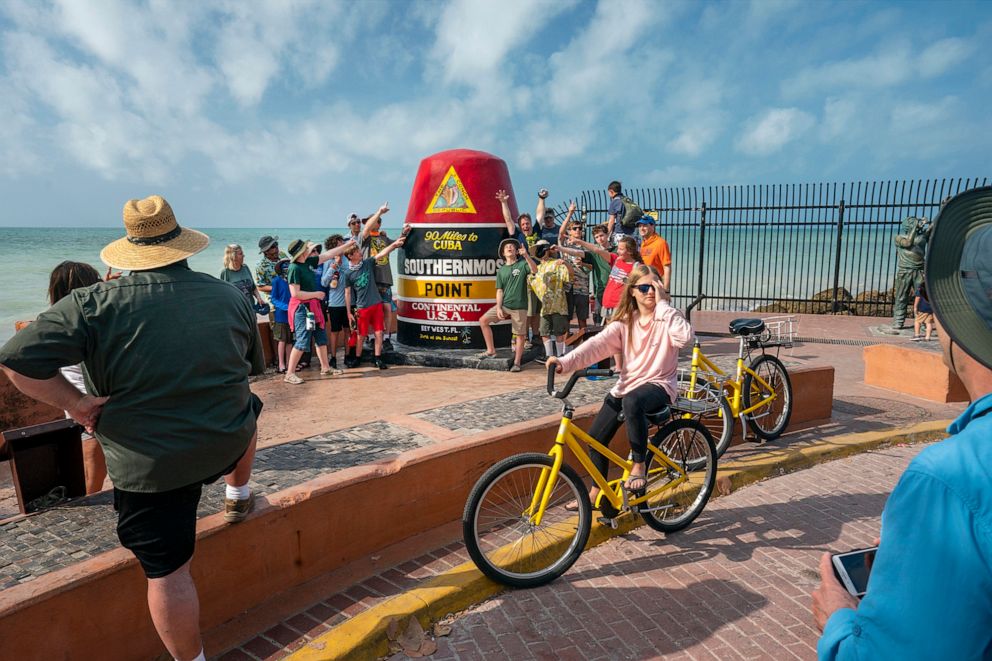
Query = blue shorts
x=303 y=335
x=386 y=293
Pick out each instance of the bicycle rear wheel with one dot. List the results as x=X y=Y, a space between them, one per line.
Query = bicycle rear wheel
x=689 y=445
x=719 y=421
x=499 y=535
x=770 y=420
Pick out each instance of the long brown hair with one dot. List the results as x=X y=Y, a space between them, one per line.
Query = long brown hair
x=624 y=312
x=68 y=276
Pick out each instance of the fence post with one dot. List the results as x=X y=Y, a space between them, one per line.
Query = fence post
x=699 y=279
x=840 y=235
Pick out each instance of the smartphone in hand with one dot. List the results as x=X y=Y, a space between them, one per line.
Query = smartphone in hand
x=852 y=569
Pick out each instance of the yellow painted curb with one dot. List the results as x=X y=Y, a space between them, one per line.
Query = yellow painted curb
x=364 y=636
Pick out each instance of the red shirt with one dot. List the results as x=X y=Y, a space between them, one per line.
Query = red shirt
x=618 y=278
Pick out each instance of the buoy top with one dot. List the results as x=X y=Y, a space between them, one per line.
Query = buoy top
x=458 y=186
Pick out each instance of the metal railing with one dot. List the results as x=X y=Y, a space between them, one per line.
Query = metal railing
x=820 y=248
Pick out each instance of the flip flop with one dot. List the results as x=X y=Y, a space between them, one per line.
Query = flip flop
x=635 y=479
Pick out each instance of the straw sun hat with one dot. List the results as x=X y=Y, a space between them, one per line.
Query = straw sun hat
x=154 y=238
x=959 y=272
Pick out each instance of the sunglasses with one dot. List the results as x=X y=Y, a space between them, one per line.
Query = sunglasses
x=644 y=289
x=353 y=222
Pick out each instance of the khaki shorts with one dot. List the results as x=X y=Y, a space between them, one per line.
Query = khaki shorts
x=518 y=319
x=924 y=318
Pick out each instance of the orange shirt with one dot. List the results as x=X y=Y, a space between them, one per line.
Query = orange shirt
x=655 y=252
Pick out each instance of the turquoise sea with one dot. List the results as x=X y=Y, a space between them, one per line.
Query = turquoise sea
x=30 y=254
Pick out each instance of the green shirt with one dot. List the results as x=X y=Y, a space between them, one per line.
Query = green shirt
x=600 y=273
x=172 y=349
x=512 y=279
x=302 y=274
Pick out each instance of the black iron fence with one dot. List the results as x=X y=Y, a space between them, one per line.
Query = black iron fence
x=784 y=248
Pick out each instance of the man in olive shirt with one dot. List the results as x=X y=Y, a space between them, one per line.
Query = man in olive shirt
x=166 y=356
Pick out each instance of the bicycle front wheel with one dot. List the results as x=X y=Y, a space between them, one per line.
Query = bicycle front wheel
x=689 y=446
x=770 y=420
x=719 y=421
x=498 y=527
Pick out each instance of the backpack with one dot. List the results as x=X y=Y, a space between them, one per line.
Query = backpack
x=632 y=212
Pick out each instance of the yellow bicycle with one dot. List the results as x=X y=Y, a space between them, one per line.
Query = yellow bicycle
x=518 y=526
x=758 y=394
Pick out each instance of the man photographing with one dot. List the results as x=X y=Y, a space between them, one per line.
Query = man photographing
x=929 y=594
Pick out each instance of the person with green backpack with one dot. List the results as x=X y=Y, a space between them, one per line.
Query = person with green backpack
x=623 y=213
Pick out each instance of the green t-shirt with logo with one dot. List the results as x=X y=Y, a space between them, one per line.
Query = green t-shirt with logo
x=512 y=279
x=302 y=274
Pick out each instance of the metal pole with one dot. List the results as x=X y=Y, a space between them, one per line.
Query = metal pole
x=840 y=236
x=702 y=251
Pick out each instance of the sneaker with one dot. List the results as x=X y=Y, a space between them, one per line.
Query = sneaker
x=235 y=511
x=334 y=363
x=387 y=345
x=528 y=345
x=515 y=368
x=331 y=372
x=292 y=378
x=380 y=364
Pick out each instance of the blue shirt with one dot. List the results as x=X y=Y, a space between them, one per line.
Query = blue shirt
x=930 y=590
x=335 y=295
x=279 y=297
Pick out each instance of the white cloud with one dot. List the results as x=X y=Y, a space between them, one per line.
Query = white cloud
x=882 y=69
x=839 y=115
x=772 y=130
x=942 y=55
x=695 y=106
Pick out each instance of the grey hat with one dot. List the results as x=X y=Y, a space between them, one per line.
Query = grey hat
x=959 y=272
x=267 y=242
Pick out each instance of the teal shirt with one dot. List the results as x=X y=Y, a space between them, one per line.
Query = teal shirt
x=173 y=350
x=929 y=593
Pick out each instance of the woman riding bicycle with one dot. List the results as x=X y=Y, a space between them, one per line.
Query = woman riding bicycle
x=648 y=332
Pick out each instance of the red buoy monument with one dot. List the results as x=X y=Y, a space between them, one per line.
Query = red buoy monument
x=447 y=267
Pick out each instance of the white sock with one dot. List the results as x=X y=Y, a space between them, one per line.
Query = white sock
x=548 y=348
x=565 y=349
x=198 y=657
x=559 y=346
x=236 y=493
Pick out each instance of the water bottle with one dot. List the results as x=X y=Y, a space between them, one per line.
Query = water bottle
x=311 y=320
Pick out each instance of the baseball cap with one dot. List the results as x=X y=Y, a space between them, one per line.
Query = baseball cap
x=959 y=272
x=645 y=220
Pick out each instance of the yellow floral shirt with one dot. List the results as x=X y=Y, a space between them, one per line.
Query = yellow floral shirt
x=548 y=284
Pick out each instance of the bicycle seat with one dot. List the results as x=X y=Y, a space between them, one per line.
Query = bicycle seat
x=747 y=326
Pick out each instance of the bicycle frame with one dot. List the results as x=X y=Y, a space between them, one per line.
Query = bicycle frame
x=569 y=435
x=699 y=360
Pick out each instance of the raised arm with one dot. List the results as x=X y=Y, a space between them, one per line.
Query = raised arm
x=339 y=250
x=593 y=248
x=391 y=247
x=374 y=218
x=523 y=252
x=563 y=230
x=504 y=201
x=539 y=214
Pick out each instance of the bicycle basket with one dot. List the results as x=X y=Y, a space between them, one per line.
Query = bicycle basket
x=704 y=399
x=780 y=330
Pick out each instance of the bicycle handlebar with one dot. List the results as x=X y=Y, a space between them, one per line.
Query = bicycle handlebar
x=576 y=375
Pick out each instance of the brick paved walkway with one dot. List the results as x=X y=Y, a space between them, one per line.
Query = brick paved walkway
x=736 y=584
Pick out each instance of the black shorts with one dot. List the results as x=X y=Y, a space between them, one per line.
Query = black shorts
x=158 y=528
x=337 y=317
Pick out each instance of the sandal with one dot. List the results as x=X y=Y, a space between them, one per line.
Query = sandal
x=280 y=370
x=641 y=480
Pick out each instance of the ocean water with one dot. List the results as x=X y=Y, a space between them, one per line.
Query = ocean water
x=745 y=265
x=29 y=254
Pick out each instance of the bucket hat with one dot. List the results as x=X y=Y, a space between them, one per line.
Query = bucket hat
x=267 y=242
x=959 y=272
x=154 y=238
x=298 y=247
x=516 y=244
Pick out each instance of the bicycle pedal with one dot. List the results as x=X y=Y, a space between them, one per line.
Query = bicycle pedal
x=606 y=521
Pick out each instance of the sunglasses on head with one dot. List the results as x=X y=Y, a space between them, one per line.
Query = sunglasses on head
x=644 y=289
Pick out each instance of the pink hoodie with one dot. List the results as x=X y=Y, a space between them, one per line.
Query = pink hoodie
x=650 y=355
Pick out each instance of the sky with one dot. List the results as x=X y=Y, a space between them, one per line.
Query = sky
x=296 y=112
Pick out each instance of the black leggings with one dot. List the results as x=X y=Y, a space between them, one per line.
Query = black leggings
x=635 y=405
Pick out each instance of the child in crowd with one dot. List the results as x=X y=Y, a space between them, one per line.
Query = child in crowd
x=548 y=283
x=361 y=289
x=577 y=294
x=279 y=296
x=64 y=278
x=337 y=312
x=511 y=301
x=923 y=314
x=600 y=267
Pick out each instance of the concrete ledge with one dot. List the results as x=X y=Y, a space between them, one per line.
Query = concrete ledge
x=364 y=636
x=914 y=371
x=97 y=608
